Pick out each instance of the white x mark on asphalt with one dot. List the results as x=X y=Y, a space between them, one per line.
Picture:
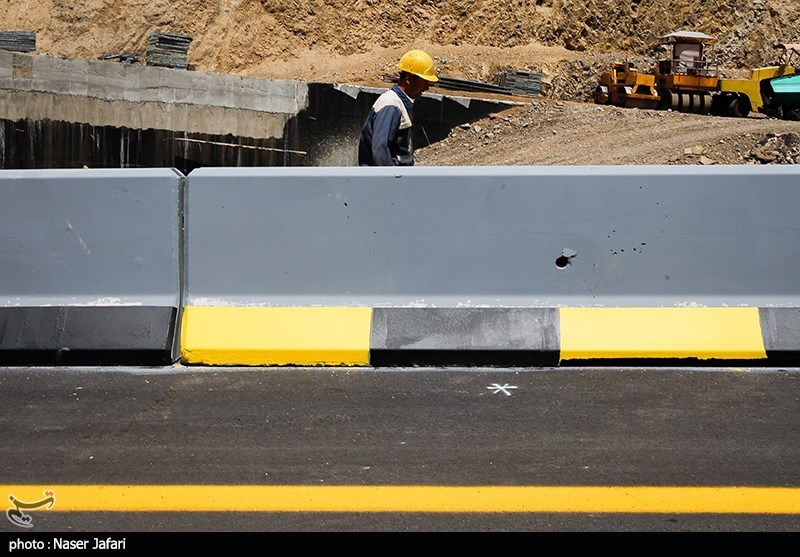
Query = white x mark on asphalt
x=497 y=388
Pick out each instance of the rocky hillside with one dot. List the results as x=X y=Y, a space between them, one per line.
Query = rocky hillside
x=569 y=41
x=358 y=41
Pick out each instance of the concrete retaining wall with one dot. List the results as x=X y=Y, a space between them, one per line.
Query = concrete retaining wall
x=62 y=113
x=103 y=93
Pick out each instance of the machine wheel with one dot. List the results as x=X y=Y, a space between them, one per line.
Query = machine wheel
x=787 y=113
x=719 y=104
x=732 y=106
x=601 y=95
x=697 y=103
x=704 y=103
x=692 y=105
x=670 y=100
x=685 y=102
x=743 y=106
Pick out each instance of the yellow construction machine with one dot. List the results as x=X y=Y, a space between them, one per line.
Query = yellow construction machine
x=685 y=78
x=625 y=85
x=681 y=78
x=686 y=72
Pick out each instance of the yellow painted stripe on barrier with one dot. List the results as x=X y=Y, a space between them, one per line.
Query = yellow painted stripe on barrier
x=726 y=333
x=453 y=499
x=305 y=336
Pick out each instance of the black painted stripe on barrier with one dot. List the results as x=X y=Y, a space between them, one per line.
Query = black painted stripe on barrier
x=515 y=337
x=88 y=335
x=780 y=329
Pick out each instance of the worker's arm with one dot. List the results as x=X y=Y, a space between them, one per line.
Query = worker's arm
x=384 y=133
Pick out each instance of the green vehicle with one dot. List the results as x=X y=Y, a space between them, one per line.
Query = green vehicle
x=782 y=97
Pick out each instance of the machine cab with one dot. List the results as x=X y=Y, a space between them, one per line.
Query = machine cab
x=687 y=53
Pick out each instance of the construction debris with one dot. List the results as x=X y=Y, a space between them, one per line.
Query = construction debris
x=521 y=83
x=125 y=57
x=508 y=83
x=467 y=85
x=777 y=148
x=18 y=41
x=168 y=50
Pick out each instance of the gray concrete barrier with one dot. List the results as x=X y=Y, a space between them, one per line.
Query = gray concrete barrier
x=536 y=265
x=90 y=266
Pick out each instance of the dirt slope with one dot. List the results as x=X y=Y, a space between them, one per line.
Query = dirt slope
x=359 y=41
x=570 y=133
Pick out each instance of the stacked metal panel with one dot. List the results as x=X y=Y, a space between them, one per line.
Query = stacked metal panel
x=468 y=85
x=168 y=50
x=18 y=41
x=508 y=83
x=125 y=57
x=522 y=83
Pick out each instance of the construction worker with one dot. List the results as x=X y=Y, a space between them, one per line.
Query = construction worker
x=386 y=136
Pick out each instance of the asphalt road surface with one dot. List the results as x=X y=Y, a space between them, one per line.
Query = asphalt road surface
x=184 y=449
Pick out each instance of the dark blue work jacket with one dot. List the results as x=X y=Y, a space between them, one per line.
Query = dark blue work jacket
x=386 y=135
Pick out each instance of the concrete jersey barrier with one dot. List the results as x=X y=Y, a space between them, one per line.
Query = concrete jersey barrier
x=89 y=266
x=492 y=266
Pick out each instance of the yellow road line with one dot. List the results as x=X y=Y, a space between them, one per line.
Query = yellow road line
x=415 y=498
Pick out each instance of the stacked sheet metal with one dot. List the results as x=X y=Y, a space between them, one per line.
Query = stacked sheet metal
x=522 y=83
x=468 y=85
x=125 y=57
x=168 y=50
x=18 y=41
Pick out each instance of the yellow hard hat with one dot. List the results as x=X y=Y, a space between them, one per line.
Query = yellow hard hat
x=419 y=63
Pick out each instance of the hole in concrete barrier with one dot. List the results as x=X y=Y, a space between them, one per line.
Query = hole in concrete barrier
x=565 y=258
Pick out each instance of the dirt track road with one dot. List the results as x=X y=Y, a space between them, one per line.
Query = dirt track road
x=548 y=132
